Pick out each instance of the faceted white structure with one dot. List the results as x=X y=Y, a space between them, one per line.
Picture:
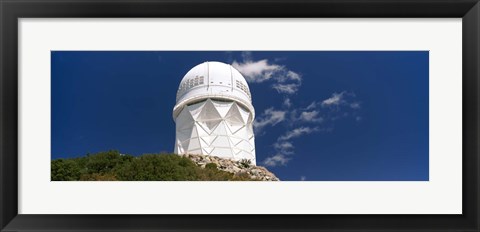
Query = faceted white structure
x=214 y=113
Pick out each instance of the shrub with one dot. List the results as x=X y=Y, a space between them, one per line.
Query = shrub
x=96 y=176
x=211 y=166
x=65 y=169
x=243 y=176
x=245 y=163
x=110 y=166
x=104 y=162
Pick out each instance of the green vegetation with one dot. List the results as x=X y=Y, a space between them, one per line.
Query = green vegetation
x=245 y=163
x=112 y=166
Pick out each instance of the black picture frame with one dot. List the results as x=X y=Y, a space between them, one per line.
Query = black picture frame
x=12 y=10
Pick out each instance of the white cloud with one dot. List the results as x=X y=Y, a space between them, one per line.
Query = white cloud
x=257 y=71
x=297 y=132
x=288 y=75
x=310 y=116
x=342 y=99
x=335 y=99
x=326 y=113
x=355 y=105
x=286 y=88
x=285 y=81
x=269 y=117
x=284 y=147
x=278 y=159
x=312 y=105
x=294 y=76
x=298 y=116
x=287 y=103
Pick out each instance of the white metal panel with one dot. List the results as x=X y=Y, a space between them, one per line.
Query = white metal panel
x=195 y=109
x=222 y=108
x=219 y=73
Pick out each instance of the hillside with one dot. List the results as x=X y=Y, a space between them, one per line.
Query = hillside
x=113 y=166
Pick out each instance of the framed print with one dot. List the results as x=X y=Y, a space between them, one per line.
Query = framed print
x=226 y=115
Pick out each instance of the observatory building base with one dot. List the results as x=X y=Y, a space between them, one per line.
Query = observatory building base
x=217 y=128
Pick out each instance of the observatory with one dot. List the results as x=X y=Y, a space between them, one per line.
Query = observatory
x=214 y=113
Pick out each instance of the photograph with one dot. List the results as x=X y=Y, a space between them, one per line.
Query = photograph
x=239 y=115
x=236 y=116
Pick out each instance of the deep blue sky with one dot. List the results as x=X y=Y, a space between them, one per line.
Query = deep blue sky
x=369 y=120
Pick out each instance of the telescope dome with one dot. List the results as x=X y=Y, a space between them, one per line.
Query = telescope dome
x=214 y=113
x=214 y=80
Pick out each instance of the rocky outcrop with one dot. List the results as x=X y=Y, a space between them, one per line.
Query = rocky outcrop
x=236 y=167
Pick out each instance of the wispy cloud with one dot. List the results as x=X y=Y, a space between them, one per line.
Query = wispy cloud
x=335 y=99
x=257 y=71
x=286 y=88
x=278 y=159
x=310 y=116
x=303 y=178
x=294 y=76
x=355 y=105
x=320 y=115
x=285 y=81
x=284 y=147
x=269 y=117
x=343 y=98
x=287 y=102
x=300 y=121
x=297 y=132
x=312 y=105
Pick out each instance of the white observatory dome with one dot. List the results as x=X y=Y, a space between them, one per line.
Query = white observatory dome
x=213 y=80
x=214 y=113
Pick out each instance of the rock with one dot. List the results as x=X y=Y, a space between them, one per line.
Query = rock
x=235 y=167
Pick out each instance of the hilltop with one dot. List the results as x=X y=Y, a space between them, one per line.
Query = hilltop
x=114 y=166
